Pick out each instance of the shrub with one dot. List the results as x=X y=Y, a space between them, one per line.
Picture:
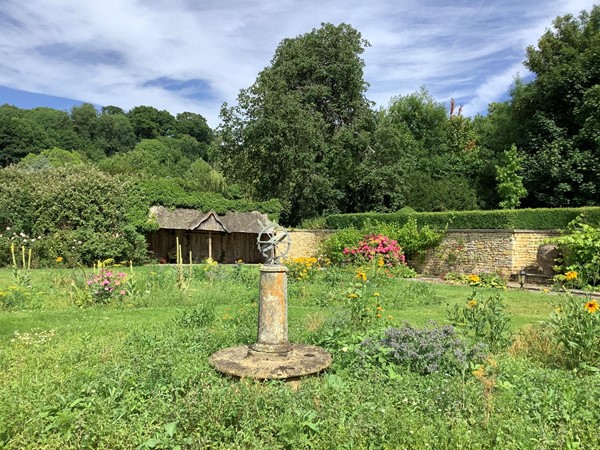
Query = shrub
x=333 y=247
x=302 y=269
x=424 y=351
x=580 y=249
x=527 y=219
x=483 y=321
x=76 y=213
x=106 y=286
x=413 y=239
x=484 y=279
x=575 y=327
x=376 y=248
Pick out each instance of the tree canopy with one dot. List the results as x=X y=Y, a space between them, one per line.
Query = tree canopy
x=287 y=136
x=305 y=136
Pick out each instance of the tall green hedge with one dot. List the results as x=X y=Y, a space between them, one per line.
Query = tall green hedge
x=520 y=219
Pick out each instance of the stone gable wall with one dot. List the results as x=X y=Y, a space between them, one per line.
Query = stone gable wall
x=505 y=252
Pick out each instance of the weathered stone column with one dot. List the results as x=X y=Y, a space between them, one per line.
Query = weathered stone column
x=272 y=311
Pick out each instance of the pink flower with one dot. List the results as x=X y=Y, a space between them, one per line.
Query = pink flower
x=121 y=274
x=108 y=274
x=122 y=292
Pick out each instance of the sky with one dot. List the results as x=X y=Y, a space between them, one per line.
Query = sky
x=193 y=55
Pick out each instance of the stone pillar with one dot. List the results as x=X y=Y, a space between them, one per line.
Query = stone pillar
x=272 y=311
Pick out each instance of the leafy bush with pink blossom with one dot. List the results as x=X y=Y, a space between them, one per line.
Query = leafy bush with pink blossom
x=107 y=285
x=378 y=249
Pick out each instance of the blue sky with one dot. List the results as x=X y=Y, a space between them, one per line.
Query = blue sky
x=187 y=55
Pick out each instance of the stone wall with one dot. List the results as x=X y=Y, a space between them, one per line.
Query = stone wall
x=306 y=242
x=505 y=252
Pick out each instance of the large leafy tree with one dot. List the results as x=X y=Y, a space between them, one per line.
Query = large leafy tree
x=292 y=134
x=554 y=118
x=150 y=123
x=422 y=157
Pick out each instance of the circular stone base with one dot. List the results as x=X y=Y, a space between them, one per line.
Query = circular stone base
x=299 y=361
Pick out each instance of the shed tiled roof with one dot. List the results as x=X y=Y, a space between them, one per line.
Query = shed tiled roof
x=192 y=219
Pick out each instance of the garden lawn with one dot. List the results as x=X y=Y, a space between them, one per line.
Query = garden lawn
x=134 y=373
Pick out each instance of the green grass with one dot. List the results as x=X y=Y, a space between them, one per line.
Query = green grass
x=136 y=374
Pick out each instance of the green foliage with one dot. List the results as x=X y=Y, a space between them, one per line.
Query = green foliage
x=76 y=213
x=425 y=351
x=333 y=247
x=413 y=240
x=580 y=249
x=575 y=326
x=172 y=193
x=150 y=123
x=524 y=219
x=483 y=321
x=147 y=366
x=486 y=280
x=202 y=177
x=54 y=157
x=293 y=132
x=553 y=118
x=510 y=182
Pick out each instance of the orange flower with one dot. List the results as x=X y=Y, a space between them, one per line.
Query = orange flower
x=592 y=306
x=59 y=259
x=571 y=275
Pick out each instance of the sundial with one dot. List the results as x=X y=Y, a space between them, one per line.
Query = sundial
x=274 y=243
x=272 y=356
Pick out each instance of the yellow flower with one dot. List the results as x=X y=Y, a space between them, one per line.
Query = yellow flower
x=378 y=316
x=361 y=275
x=474 y=278
x=390 y=317
x=592 y=306
x=376 y=294
x=379 y=308
x=381 y=262
x=472 y=304
x=59 y=259
x=571 y=275
x=479 y=372
x=352 y=295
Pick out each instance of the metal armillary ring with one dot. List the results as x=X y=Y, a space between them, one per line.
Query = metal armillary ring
x=274 y=243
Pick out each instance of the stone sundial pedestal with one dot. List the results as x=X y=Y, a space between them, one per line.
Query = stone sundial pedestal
x=272 y=356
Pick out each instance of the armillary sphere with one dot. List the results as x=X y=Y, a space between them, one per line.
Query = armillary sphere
x=274 y=243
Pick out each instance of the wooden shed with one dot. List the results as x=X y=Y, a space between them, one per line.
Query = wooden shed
x=226 y=238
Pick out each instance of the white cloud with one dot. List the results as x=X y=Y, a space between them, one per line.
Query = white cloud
x=106 y=52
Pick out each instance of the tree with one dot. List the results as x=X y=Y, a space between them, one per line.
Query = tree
x=18 y=137
x=114 y=133
x=153 y=157
x=421 y=157
x=53 y=157
x=554 y=118
x=150 y=123
x=510 y=181
x=282 y=138
x=193 y=125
